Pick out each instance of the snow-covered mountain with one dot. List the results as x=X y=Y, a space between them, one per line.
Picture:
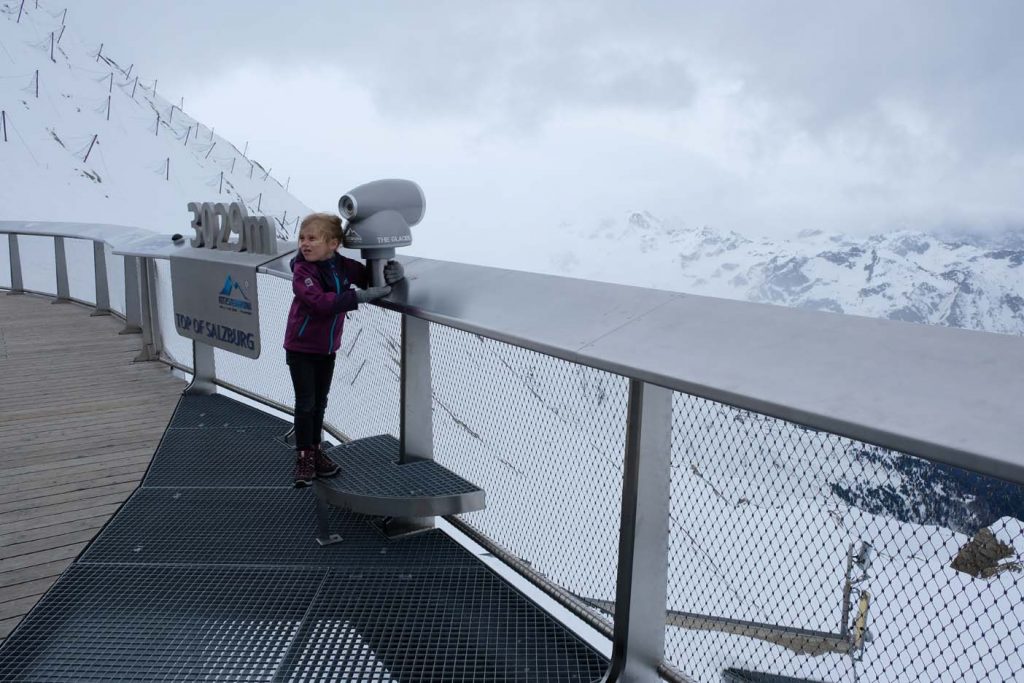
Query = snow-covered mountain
x=85 y=137
x=909 y=276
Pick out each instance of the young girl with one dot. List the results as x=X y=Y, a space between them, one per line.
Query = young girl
x=321 y=280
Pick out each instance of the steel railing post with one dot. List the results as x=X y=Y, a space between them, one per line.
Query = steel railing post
x=17 y=285
x=99 y=259
x=154 y=307
x=416 y=425
x=61 y=260
x=145 y=296
x=416 y=434
x=132 y=298
x=638 y=643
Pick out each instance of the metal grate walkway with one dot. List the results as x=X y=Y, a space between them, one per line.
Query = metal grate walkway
x=210 y=571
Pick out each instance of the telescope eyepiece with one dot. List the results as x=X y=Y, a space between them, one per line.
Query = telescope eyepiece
x=348 y=207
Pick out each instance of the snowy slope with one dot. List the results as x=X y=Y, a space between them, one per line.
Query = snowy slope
x=149 y=159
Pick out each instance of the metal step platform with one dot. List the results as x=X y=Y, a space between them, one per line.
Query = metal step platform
x=373 y=481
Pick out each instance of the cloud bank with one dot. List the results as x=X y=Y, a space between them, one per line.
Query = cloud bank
x=760 y=117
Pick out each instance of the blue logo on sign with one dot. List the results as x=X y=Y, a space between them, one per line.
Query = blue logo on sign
x=233 y=297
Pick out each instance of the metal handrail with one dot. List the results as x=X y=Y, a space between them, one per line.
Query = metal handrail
x=901 y=386
x=939 y=393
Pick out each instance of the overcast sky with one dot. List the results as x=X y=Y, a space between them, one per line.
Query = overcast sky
x=763 y=117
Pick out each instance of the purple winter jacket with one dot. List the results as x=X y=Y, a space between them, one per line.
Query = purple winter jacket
x=322 y=297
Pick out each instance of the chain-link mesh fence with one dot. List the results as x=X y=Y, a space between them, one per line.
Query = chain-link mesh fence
x=545 y=439
x=800 y=553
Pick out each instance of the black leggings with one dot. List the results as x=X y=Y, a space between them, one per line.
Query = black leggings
x=311 y=377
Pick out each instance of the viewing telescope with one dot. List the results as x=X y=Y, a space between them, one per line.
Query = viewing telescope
x=379 y=215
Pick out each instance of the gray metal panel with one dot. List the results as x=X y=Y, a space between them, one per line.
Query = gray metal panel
x=545 y=313
x=216 y=300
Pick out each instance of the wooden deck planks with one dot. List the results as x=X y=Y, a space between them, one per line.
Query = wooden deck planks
x=79 y=422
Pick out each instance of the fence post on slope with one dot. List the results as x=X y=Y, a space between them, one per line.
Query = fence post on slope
x=170 y=117
x=99 y=259
x=267 y=174
x=99 y=52
x=3 y=119
x=259 y=200
x=187 y=133
x=233 y=160
x=61 y=34
x=37 y=84
x=287 y=183
x=61 y=260
x=154 y=87
x=135 y=86
x=210 y=150
x=108 y=107
x=19 y=11
x=167 y=175
x=51 y=48
x=17 y=286
x=110 y=88
x=220 y=190
x=89 y=151
x=641 y=585
x=156 y=130
x=128 y=74
x=64 y=16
